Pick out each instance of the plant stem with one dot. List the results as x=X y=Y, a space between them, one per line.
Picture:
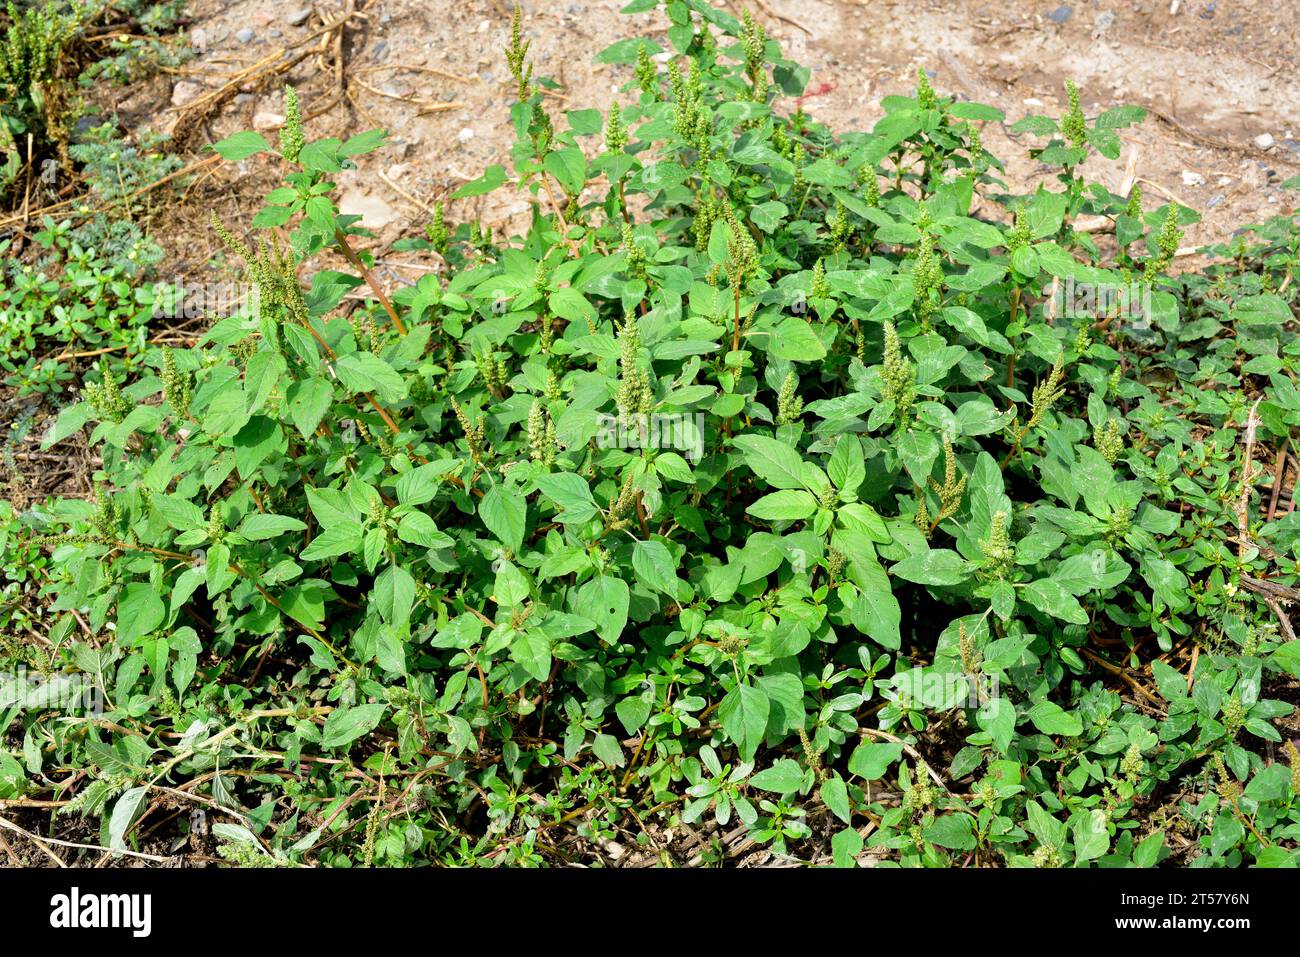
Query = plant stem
x=1011 y=359
x=350 y=254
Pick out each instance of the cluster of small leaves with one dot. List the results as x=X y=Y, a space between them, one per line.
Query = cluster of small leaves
x=81 y=295
x=758 y=479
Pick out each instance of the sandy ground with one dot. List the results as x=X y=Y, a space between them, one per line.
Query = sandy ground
x=1222 y=78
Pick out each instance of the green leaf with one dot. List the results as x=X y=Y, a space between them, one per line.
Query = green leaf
x=846 y=845
x=571 y=494
x=1097 y=570
x=1049 y=831
x=1166 y=582
x=1050 y=718
x=1269 y=309
x=877 y=613
x=461 y=632
x=259 y=527
x=846 y=468
x=835 y=795
x=1272 y=783
x=1226 y=835
x=241 y=146
x=785 y=505
x=70 y=420
x=783 y=777
x=794 y=340
x=625 y=51
x=1051 y=598
x=126 y=811
x=505 y=513
x=366 y=372
x=139 y=611
x=997 y=716
x=569 y=167
x=340 y=539
x=571 y=305
x=493 y=177
x=633 y=712
x=654 y=566
x=769 y=216
x=938 y=566
x=345 y=725
x=952 y=831
x=775 y=462
x=1147 y=853
x=365 y=142
x=419 y=529
x=323 y=155
x=420 y=484
x=744 y=713
x=13 y=780
x=511 y=587
x=605 y=601
x=531 y=649
x=309 y=400
x=258 y=439
x=918 y=450
x=871 y=760
x=1091 y=838
x=607 y=748
x=1287 y=657
x=394 y=594
x=390 y=652
x=785 y=695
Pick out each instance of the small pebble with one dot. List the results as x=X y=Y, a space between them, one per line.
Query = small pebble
x=1264 y=141
x=1214 y=200
x=185 y=92
x=245 y=35
x=297 y=18
x=1061 y=14
x=1192 y=179
x=465 y=135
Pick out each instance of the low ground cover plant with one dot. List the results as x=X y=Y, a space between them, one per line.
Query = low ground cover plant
x=806 y=482
x=77 y=284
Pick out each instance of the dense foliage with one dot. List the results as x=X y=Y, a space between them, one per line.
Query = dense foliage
x=769 y=477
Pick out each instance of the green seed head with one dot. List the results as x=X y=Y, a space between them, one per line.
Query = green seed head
x=1074 y=125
